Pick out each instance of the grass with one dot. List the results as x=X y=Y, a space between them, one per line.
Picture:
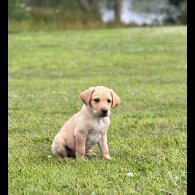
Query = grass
x=147 y=135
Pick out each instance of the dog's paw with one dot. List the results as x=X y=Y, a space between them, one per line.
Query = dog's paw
x=90 y=153
x=106 y=156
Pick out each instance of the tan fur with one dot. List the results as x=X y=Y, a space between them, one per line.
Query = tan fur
x=87 y=127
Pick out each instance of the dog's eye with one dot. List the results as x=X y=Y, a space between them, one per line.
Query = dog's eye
x=109 y=101
x=96 y=100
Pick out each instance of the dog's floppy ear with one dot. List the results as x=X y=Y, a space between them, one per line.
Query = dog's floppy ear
x=115 y=99
x=85 y=96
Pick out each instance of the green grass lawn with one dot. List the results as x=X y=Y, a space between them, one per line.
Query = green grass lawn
x=146 y=67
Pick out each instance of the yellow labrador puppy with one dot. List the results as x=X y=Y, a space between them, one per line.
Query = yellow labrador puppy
x=87 y=127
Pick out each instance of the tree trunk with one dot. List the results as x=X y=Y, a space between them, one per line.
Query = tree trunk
x=117 y=8
x=95 y=7
x=90 y=6
x=83 y=5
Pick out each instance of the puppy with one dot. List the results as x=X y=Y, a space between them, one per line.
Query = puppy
x=87 y=127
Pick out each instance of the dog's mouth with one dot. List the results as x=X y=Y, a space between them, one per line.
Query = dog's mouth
x=100 y=114
x=103 y=115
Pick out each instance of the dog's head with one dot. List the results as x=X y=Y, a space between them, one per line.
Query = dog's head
x=100 y=100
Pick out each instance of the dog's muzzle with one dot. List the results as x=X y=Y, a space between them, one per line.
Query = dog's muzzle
x=104 y=112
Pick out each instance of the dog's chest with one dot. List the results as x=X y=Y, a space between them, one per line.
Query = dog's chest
x=96 y=133
x=93 y=137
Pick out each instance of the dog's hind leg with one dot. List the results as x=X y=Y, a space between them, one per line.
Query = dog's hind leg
x=69 y=152
x=59 y=150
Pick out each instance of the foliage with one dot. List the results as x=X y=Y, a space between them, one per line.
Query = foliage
x=24 y=11
x=183 y=13
x=177 y=2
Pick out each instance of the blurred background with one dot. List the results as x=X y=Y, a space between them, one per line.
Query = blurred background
x=88 y=14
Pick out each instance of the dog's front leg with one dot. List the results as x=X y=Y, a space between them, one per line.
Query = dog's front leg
x=80 y=144
x=103 y=145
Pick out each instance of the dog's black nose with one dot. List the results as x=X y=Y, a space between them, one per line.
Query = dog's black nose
x=104 y=110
